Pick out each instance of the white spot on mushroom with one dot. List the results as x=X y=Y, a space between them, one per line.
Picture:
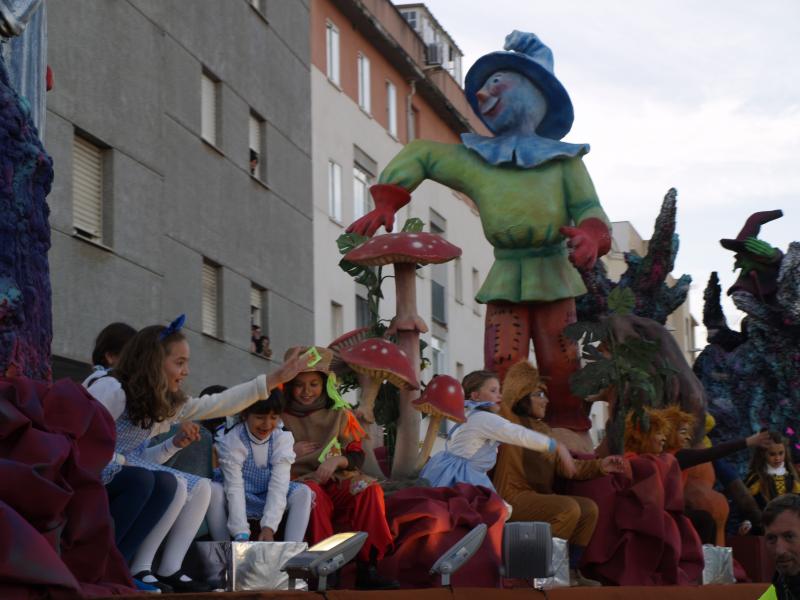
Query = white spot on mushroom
x=385 y=247
x=417 y=244
x=384 y=351
x=413 y=235
x=402 y=352
x=373 y=347
x=451 y=389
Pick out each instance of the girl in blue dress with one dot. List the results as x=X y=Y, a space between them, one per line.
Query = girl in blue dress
x=255 y=461
x=471 y=448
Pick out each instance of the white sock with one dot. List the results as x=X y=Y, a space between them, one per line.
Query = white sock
x=185 y=528
x=298 y=506
x=216 y=516
x=143 y=560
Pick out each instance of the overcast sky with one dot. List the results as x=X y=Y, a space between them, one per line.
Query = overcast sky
x=700 y=96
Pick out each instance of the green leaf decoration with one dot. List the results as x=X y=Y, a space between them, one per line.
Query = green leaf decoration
x=621 y=300
x=348 y=241
x=413 y=225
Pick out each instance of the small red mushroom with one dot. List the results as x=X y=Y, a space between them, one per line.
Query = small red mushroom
x=341 y=343
x=376 y=360
x=442 y=399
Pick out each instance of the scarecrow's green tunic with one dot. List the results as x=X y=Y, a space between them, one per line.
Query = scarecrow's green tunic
x=521 y=212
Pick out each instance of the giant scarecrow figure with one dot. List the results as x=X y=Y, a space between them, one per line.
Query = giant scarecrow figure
x=537 y=205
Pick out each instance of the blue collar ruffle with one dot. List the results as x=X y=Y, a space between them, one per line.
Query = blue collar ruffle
x=526 y=152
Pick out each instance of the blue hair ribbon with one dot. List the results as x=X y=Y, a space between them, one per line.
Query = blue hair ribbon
x=173 y=327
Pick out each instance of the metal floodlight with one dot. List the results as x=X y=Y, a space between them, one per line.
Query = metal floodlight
x=455 y=558
x=527 y=550
x=324 y=558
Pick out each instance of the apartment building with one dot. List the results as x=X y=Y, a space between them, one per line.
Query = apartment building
x=181 y=138
x=374 y=88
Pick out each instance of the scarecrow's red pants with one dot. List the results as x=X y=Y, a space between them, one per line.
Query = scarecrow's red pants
x=510 y=328
x=336 y=508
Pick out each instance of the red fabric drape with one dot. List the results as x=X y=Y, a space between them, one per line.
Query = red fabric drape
x=642 y=536
x=56 y=537
x=427 y=521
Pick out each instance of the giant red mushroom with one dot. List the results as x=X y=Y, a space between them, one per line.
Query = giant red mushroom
x=442 y=399
x=376 y=360
x=405 y=250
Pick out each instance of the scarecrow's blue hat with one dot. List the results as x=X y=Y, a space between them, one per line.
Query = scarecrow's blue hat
x=526 y=54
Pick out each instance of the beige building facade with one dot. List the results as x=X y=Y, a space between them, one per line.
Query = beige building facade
x=372 y=91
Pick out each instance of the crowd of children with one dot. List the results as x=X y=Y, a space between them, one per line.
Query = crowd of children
x=290 y=459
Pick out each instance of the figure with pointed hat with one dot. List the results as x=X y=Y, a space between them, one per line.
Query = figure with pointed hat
x=537 y=204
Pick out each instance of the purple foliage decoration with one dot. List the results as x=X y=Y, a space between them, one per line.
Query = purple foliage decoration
x=645 y=276
x=752 y=376
x=26 y=173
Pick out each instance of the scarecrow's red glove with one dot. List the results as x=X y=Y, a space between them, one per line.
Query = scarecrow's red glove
x=389 y=198
x=588 y=241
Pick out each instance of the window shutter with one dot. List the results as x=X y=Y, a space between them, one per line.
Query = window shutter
x=87 y=188
x=332 y=34
x=391 y=107
x=208 y=105
x=255 y=135
x=255 y=306
x=210 y=295
x=335 y=190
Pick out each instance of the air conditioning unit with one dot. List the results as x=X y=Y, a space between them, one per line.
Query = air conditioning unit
x=435 y=54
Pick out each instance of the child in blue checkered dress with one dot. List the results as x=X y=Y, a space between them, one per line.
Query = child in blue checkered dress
x=255 y=459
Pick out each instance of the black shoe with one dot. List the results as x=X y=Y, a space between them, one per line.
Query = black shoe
x=367 y=578
x=179 y=585
x=164 y=587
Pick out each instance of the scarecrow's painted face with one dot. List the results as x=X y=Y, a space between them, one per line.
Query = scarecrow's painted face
x=511 y=103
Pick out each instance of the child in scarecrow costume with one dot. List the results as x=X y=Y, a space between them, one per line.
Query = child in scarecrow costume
x=538 y=208
x=329 y=460
x=525 y=478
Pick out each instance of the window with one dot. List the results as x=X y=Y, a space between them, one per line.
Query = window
x=438 y=356
x=476 y=285
x=391 y=108
x=332 y=46
x=337 y=320
x=256 y=138
x=363 y=318
x=87 y=189
x=210 y=298
x=209 y=108
x=411 y=18
x=335 y=191
x=361 y=197
x=459 y=291
x=364 y=99
x=438 y=278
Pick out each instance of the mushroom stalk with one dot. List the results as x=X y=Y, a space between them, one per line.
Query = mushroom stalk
x=407 y=321
x=427 y=445
x=369 y=391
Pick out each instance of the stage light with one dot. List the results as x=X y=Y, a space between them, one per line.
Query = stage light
x=455 y=558
x=324 y=558
x=527 y=550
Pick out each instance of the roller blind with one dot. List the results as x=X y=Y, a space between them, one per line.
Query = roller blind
x=210 y=297
x=87 y=188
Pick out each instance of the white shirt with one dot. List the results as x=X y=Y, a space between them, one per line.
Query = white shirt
x=108 y=391
x=483 y=426
x=232 y=453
